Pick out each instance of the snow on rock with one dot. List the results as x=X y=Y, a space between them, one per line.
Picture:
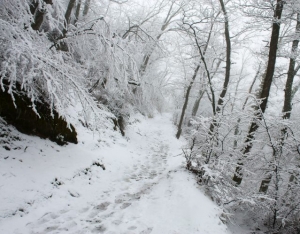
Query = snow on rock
x=104 y=184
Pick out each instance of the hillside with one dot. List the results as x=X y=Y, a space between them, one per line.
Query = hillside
x=104 y=184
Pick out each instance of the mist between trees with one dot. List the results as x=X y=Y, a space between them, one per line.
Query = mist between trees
x=228 y=70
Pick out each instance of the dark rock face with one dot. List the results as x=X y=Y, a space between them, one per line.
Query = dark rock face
x=27 y=121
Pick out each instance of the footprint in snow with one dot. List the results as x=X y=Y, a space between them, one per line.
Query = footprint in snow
x=50 y=229
x=125 y=205
x=47 y=217
x=117 y=222
x=103 y=206
x=147 y=231
x=132 y=228
x=99 y=229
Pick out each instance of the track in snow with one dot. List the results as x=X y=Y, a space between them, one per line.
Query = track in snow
x=144 y=189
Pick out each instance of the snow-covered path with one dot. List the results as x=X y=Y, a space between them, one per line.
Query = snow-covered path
x=143 y=189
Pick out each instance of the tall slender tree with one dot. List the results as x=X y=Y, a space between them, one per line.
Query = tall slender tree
x=203 y=61
x=266 y=86
x=287 y=107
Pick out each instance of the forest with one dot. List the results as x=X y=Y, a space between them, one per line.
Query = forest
x=227 y=71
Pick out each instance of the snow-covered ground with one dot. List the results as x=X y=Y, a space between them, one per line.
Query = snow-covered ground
x=105 y=184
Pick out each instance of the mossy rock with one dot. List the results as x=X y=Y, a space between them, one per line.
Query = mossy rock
x=27 y=121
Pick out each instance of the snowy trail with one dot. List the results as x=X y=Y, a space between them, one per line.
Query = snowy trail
x=144 y=189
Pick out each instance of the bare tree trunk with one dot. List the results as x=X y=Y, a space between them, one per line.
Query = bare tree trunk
x=39 y=13
x=77 y=13
x=236 y=130
x=202 y=54
x=61 y=45
x=147 y=57
x=166 y=23
x=38 y=18
x=187 y=95
x=227 y=70
x=197 y=102
x=228 y=59
x=194 y=76
x=287 y=107
x=238 y=176
x=68 y=14
x=86 y=7
x=201 y=92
